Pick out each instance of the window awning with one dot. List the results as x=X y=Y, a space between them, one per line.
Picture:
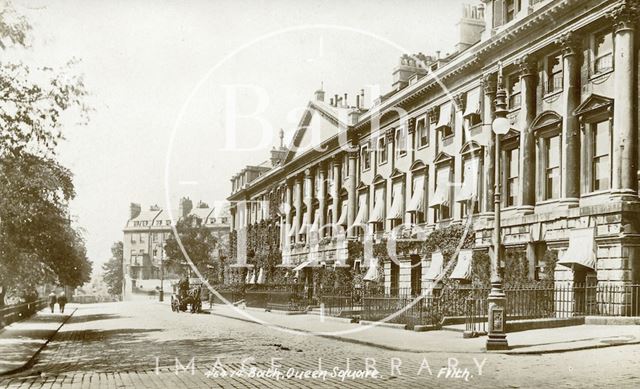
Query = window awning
x=397 y=204
x=247 y=278
x=444 y=119
x=470 y=184
x=378 y=206
x=342 y=221
x=293 y=227
x=252 y=280
x=462 y=271
x=305 y=224
x=436 y=267
x=363 y=209
x=372 y=272
x=416 y=204
x=316 y=221
x=441 y=195
x=582 y=249
x=302 y=265
x=473 y=103
x=260 y=279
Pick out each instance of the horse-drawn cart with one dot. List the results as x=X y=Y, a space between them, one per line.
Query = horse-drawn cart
x=186 y=296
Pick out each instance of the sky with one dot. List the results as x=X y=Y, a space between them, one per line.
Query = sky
x=187 y=93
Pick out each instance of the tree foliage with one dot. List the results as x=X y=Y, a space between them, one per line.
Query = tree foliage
x=33 y=99
x=199 y=245
x=113 y=273
x=37 y=242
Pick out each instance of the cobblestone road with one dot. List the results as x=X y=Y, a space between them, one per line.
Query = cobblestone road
x=138 y=344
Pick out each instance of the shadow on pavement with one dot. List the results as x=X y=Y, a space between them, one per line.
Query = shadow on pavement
x=48 y=318
x=95 y=317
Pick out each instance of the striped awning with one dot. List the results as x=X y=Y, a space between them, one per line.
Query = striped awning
x=316 y=221
x=582 y=249
x=462 y=271
x=469 y=187
x=305 y=224
x=302 y=265
x=436 y=267
x=293 y=227
x=378 y=206
x=342 y=221
x=441 y=195
x=363 y=210
x=397 y=205
x=473 y=103
x=416 y=204
x=372 y=272
x=444 y=119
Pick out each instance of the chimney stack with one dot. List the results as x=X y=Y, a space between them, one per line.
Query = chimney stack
x=470 y=26
x=358 y=101
x=184 y=207
x=335 y=100
x=319 y=95
x=346 y=104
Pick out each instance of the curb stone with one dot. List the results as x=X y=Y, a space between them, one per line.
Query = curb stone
x=513 y=352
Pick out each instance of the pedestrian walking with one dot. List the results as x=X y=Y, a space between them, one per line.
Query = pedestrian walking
x=52 y=300
x=62 y=301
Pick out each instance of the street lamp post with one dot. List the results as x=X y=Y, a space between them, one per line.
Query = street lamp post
x=497 y=337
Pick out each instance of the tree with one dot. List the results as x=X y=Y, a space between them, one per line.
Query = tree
x=33 y=99
x=113 y=275
x=37 y=243
x=199 y=244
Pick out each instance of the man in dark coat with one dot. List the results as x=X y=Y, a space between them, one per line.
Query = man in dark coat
x=52 y=301
x=62 y=301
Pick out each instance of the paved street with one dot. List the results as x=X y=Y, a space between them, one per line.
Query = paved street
x=137 y=344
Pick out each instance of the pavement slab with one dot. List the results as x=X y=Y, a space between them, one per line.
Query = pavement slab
x=21 y=341
x=539 y=341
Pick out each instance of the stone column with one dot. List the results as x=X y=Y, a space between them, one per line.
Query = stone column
x=322 y=197
x=233 y=219
x=527 y=190
x=625 y=136
x=353 y=156
x=298 y=203
x=336 y=190
x=288 y=199
x=489 y=83
x=571 y=45
x=308 y=178
x=288 y=206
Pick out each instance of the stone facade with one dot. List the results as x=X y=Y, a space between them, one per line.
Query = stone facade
x=569 y=162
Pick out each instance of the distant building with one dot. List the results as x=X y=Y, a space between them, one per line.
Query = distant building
x=146 y=232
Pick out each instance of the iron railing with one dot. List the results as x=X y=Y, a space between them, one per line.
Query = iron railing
x=399 y=306
x=13 y=313
x=556 y=301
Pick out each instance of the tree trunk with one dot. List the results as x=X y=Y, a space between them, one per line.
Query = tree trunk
x=3 y=291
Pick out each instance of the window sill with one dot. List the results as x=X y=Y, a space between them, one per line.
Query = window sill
x=515 y=109
x=545 y=202
x=553 y=94
x=601 y=74
x=595 y=193
x=424 y=146
x=382 y=163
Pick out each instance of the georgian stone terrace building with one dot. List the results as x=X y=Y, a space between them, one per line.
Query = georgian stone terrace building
x=569 y=163
x=145 y=235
